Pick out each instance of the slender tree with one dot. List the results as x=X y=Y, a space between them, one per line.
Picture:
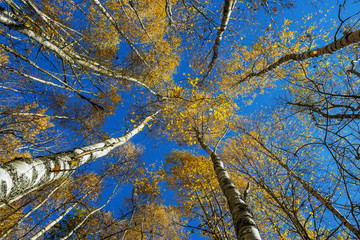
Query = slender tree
x=67 y=65
x=245 y=226
x=19 y=176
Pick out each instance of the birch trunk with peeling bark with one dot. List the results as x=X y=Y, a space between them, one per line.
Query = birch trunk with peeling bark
x=228 y=8
x=70 y=57
x=18 y=176
x=347 y=40
x=245 y=227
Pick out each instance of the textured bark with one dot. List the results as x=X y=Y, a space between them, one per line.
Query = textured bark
x=228 y=7
x=70 y=57
x=18 y=197
x=18 y=176
x=356 y=73
x=244 y=223
x=345 y=41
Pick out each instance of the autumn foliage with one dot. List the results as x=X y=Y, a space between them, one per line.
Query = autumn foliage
x=139 y=119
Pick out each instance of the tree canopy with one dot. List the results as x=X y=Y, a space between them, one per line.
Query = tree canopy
x=140 y=119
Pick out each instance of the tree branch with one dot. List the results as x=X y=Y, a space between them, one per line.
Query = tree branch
x=345 y=41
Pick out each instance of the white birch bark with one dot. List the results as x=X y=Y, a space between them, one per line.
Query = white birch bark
x=18 y=222
x=245 y=227
x=55 y=221
x=122 y=34
x=18 y=176
x=228 y=8
x=58 y=219
x=347 y=40
x=10 y=201
x=38 y=115
x=90 y=214
x=71 y=57
x=22 y=57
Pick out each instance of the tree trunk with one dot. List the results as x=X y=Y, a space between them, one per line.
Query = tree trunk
x=328 y=204
x=72 y=231
x=348 y=39
x=18 y=176
x=46 y=228
x=244 y=223
x=228 y=8
x=33 y=209
x=68 y=56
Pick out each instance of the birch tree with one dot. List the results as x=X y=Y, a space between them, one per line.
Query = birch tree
x=203 y=125
x=73 y=64
x=256 y=154
x=18 y=176
x=198 y=194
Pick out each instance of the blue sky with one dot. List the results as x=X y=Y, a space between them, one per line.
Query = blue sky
x=156 y=149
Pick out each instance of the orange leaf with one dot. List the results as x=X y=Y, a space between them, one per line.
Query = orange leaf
x=56 y=169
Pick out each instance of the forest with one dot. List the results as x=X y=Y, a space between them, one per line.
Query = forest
x=179 y=119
